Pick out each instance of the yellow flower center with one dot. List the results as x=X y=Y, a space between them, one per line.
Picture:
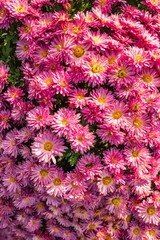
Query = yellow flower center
x=138 y=58
x=117 y=114
x=96 y=68
x=101 y=100
x=64 y=122
x=92 y=226
x=55 y=229
x=40 y=206
x=80 y=96
x=44 y=53
x=78 y=52
x=108 y=237
x=2 y=13
x=12 y=180
x=24 y=47
x=151 y=211
x=4 y=119
x=97 y=213
x=114 y=160
x=136 y=231
x=97 y=39
x=116 y=201
x=128 y=218
x=20 y=8
x=12 y=142
x=111 y=60
x=154 y=2
x=57 y=181
x=102 y=3
x=27 y=29
x=48 y=81
x=44 y=173
x=147 y=78
x=59 y=47
x=122 y=73
x=39 y=118
x=152 y=232
x=75 y=186
x=137 y=123
x=63 y=83
x=80 y=139
x=135 y=153
x=107 y=180
x=76 y=30
x=48 y=146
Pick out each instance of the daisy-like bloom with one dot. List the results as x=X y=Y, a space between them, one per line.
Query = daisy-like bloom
x=24 y=201
x=92 y=113
x=114 y=160
x=110 y=134
x=97 y=40
x=79 y=52
x=148 y=213
x=10 y=143
x=26 y=30
x=138 y=126
x=138 y=57
x=23 y=50
x=4 y=75
x=81 y=212
x=61 y=47
x=116 y=204
x=112 y=56
x=4 y=119
x=154 y=5
x=41 y=175
x=89 y=165
x=121 y=74
x=46 y=146
x=56 y=185
x=92 y=225
x=78 y=98
x=45 y=80
x=24 y=171
x=17 y=8
x=13 y=94
x=135 y=231
x=81 y=139
x=24 y=134
x=149 y=79
x=38 y=117
x=136 y=106
x=61 y=82
x=105 y=183
x=116 y=115
x=5 y=18
x=95 y=69
x=64 y=121
x=151 y=232
x=33 y=224
x=101 y=97
x=75 y=186
x=40 y=54
x=10 y=182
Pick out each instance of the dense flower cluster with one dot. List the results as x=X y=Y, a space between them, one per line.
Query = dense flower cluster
x=91 y=89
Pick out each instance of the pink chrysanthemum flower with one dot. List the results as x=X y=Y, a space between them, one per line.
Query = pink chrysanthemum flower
x=46 y=146
x=24 y=201
x=4 y=75
x=10 y=144
x=38 y=117
x=24 y=171
x=116 y=115
x=78 y=98
x=89 y=165
x=114 y=160
x=40 y=54
x=24 y=134
x=56 y=185
x=23 y=50
x=61 y=47
x=41 y=175
x=116 y=204
x=33 y=224
x=121 y=75
x=10 y=182
x=4 y=119
x=95 y=69
x=102 y=98
x=112 y=56
x=79 y=53
x=81 y=139
x=152 y=232
x=61 y=83
x=97 y=40
x=105 y=183
x=5 y=18
x=17 y=8
x=45 y=80
x=149 y=79
x=135 y=231
x=110 y=134
x=92 y=113
x=13 y=94
x=154 y=5
x=64 y=121
x=148 y=213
